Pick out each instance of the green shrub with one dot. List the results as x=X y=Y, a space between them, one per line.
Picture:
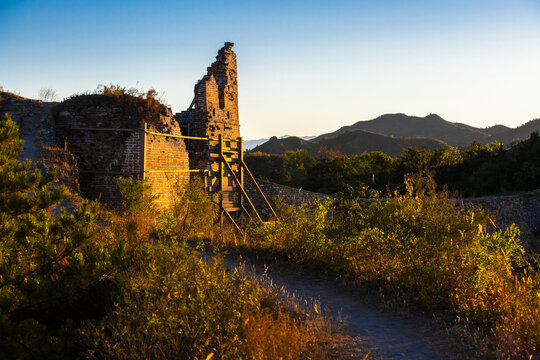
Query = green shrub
x=49 y=264
x=191 y=215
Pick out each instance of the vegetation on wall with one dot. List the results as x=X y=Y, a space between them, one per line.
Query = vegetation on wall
x=137 y=105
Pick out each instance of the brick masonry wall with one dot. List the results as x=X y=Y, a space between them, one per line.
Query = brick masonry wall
x=214 y=110
x=166 y=155
x=36 y=125
x=103 y=154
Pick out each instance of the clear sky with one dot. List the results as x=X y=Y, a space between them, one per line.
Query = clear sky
x=305 y=67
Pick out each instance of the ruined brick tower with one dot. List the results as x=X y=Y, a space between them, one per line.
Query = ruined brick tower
x=214 y=109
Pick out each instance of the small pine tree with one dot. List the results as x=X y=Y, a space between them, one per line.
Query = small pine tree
x=46 y=261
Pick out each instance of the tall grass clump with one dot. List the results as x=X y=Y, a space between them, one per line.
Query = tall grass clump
x=426 y=248
x=191 y=215
x=179 y=307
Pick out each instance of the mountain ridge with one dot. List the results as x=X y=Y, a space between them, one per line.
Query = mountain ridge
x=390 y=133
x=349 y=143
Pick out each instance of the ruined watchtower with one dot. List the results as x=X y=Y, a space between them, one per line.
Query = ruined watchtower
x=214 y=109
x=119 y=133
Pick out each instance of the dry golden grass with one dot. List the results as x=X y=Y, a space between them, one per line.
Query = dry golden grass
x=55 y=157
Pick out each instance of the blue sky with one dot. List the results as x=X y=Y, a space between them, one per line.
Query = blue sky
x=305 y=67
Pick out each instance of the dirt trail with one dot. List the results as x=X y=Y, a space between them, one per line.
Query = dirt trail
x=385 y=335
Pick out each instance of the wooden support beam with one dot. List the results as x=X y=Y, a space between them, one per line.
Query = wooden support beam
x=107 y=172
x=175 y=136
x=230 y=218
x=174 y=171
x=240 y=146
x=99 y=129
x=221 y=187
x=145 y=128
x=224 y=161
x=258 y=188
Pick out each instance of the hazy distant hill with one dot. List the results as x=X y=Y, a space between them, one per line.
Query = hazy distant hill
x=496 y=129
x=521 y=132
x=431 y=126
x=280 y=146
x=392 y=132
x=349 y=143
x=250 y=144
x=359 y=141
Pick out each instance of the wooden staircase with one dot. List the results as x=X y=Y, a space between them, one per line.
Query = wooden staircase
x=227 y=175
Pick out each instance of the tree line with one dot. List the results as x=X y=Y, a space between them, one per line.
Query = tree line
x=477 y=170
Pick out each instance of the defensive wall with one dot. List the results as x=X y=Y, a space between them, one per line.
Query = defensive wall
x=109 y=141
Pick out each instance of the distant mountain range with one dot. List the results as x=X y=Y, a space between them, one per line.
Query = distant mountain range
x=391 y=133
x=250 y=144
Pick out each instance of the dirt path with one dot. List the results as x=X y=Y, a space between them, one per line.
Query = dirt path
x=385 y=335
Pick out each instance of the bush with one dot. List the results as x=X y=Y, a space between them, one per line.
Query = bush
x=50 y=264
x=179 y=307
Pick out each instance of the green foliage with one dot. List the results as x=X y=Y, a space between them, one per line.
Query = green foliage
x=87 y=282
x=48 y=262
x=137 y=195
x=176 y=306
x=192 y=213
x=172 y=304
x=338 y=174
x=295 y=166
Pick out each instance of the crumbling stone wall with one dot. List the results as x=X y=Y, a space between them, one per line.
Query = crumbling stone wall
x=523 y=210
x=108 y=140
x=277 y=192
x=36 y=125
x=214 y=109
